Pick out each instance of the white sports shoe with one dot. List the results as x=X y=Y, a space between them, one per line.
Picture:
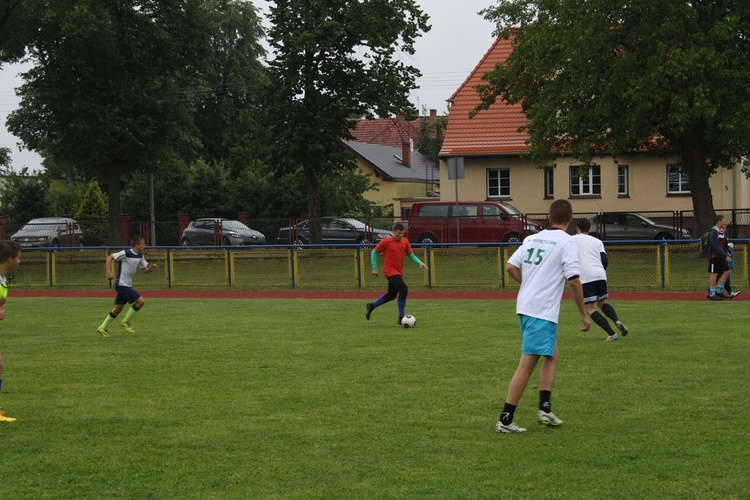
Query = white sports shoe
x=508 y=429
x=550 y=418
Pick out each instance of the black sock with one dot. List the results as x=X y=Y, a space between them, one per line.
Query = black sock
x=544 y=401
x=506 y=417
x=610 y=312
x=602 y=322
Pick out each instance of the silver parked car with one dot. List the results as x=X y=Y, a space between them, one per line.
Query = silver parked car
x=49 y=232
x=207 y=232
x=630 y=226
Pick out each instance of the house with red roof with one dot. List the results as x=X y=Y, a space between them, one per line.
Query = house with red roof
x=384 y=150
x=491 y=147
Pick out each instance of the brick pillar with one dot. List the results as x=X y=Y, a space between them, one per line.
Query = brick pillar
x=124 y=230
x=183 y=221
x=244 y=217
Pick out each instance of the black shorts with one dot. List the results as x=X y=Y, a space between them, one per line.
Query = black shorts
x=718 y=265
x=594 y=291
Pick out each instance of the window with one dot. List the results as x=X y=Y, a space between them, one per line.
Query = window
x=465 y=211
x=678 y=181
x=623 y=182
x=498 y=183
x=549 y=182
x=433 y=211
x=585 y=181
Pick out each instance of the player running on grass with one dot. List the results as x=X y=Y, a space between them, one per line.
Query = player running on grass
x=10 y=258
x=393 y=249
x=593 y=262
x=130 y=260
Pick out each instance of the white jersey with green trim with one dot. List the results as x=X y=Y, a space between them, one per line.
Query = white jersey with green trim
x=546 y=260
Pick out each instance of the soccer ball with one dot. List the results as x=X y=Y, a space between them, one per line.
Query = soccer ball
x=408 y=321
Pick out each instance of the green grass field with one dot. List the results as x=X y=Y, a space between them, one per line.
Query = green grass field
x=305 y=399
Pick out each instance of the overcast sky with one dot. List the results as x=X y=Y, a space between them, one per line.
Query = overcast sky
x=446 y=55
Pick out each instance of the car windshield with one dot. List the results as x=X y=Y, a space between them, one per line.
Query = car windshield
x=30 y=226
x=233 y=224
x=512 y=210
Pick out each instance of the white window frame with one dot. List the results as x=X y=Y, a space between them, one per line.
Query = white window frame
x=623 y=180
x=496 y=188
x=678 y=181
x=589 y=184
x=549 y=182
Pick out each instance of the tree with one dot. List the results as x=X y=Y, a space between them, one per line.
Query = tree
x=92 y=215
x=596 y=77
x=22 y=196
x=334 y=60
x=112 y=90
x=431 y=136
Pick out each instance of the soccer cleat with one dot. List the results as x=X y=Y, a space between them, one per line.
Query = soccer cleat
x=622 y=327
x=399 y=320
x=3 y=418
x=612 y=338
x=127 y=327
x=369 y=307
x=546 y=418
x=508 y=429
x=734 y=294
x=102 y=331
x=715 y=297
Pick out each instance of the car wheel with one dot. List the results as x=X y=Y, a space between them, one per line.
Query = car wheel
x=300 y=241
x=595 y=235
x=512 y=238
x=363 y=239
x=185 y=242
x=80 y=243
x=225 y=242
x=427 y=239
x=663 y=236
x=55 y=243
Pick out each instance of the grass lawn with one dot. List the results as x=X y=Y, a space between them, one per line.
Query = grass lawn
x=306 y=399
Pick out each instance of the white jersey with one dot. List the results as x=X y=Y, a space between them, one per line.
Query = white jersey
x=590 y=259
x=546 y=260
x=129 y=264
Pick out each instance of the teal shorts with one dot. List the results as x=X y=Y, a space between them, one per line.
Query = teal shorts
x=538 y=336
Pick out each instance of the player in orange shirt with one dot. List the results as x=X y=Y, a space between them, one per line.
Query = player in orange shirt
x=393 y=249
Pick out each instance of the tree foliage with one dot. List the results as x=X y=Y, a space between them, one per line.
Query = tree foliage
x=92 y=215
x=334 y=60
x=112 y=89
x=597 y=77
x=22 y=196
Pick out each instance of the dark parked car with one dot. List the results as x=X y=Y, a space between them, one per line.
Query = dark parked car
x=629 y=226
x=335 y=230
x=232 y=232
x=49 y=232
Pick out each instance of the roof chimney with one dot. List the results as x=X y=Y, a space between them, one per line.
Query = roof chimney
x=433 y=115
x=406 y=152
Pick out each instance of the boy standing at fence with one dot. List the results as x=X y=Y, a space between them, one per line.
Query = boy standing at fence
x=393 y=248
x=542 y=265
x=718 y=260
x=593 y=261
x=130 y=260
x=10 y=258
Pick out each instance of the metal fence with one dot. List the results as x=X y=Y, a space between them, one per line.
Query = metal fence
x=664 y=265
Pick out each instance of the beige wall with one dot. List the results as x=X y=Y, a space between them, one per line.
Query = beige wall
x=389 y=190
x=647 y=186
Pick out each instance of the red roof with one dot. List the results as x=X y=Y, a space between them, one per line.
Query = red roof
x=386 y=131
x=492 y=131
